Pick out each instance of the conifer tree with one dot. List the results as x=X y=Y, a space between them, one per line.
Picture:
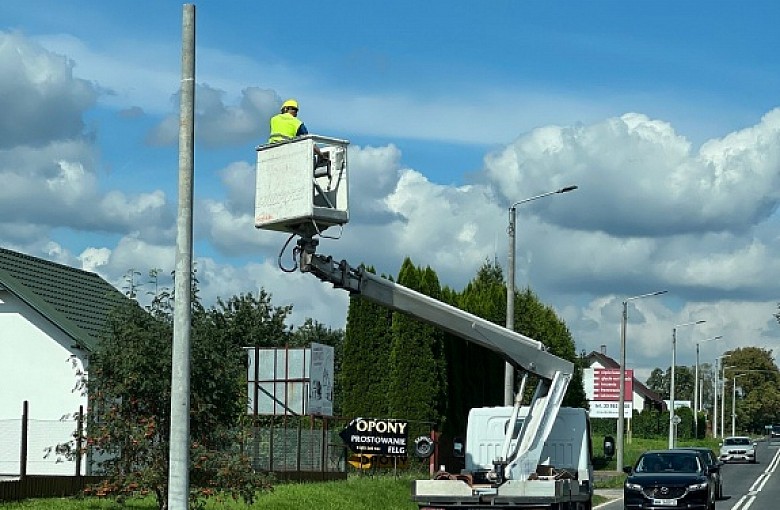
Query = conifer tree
x=417 y=386
x=365 y=359
x=540 y=322
x=475 y=374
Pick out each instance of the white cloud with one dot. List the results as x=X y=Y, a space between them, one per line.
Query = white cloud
x=309 y=297
x=219 y=124
x=43 y=101
x=653 y=211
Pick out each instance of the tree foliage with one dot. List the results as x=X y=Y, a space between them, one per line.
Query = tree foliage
x=754 y=373
x=417 y=381
x=757 y=381
x=362 y=381
x=475 y=374
x=432 y=375
x=128 y=426
x=536 y=320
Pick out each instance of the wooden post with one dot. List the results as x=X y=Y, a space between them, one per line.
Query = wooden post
x=432 y=466
x=325 y=447
x=298 y=449
x=271 y=445
x=23 y=449
x=79 y=436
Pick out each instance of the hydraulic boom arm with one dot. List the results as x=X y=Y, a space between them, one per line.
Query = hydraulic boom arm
x=519 y=350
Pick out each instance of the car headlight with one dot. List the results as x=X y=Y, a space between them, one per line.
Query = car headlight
x=633 y=486
x=698 y=486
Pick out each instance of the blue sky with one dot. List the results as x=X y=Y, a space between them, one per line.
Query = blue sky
x=663 y=113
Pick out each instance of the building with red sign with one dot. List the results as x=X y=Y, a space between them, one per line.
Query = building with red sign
x=601 y=381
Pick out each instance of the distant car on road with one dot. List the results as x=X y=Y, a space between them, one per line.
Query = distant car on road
x=775 y=432
x=678 y=478
x=738 y=449
x=714 y=464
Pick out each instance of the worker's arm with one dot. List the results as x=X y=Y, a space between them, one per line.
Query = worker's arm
x=302 y=131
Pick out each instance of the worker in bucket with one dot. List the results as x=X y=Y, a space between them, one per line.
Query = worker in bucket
x=286 y=125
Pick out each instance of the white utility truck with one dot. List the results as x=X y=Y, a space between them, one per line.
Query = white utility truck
x=535 y=456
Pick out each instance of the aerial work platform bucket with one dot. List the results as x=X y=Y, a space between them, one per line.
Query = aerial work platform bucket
x=293 y=195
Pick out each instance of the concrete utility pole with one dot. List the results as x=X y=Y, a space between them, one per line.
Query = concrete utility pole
x=179 y=456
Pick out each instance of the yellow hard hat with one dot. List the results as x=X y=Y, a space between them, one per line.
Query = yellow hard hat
x=290 y=103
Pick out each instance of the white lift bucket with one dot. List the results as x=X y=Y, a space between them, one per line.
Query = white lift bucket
x=292 y=195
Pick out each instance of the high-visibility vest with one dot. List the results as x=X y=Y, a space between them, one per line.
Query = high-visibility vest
x=283 y=127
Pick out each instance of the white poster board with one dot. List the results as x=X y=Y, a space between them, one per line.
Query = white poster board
x=290 y=381
x=321 y=384
x=609 y=409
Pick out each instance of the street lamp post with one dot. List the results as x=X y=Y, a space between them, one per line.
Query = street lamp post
x=509 y=370
x=734 y=392
x=733 y=403
x=715 y=401
x=672 y=424
x=723 y=398
x=622 y=398
x=696 y=394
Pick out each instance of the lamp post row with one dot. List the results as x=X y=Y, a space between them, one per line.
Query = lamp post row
x=734 y=393
x=715 y=403
x=621 y=402
x=509 y=374
x=672 y=415
x=697 y=395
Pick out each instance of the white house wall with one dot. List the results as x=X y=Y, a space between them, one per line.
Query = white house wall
x=36 y=365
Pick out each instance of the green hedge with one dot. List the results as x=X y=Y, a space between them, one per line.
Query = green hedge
x=653 y=424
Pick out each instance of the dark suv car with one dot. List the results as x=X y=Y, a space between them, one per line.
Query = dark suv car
x=677 y=478
x=714 y=464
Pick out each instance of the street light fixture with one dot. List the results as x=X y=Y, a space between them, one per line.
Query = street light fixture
x=696 y=397
x=509 y=370
x=622 y=398
x=672 y=415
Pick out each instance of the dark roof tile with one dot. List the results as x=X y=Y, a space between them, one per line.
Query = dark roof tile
x=76 y=301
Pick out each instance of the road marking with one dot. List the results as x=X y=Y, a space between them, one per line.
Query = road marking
x=745 y=501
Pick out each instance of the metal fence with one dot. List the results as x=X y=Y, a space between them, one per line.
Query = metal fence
x=288 y=444
x=30 y=447
x=290 y=447
x=309 y=446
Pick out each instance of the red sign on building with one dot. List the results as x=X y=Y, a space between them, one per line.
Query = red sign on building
x=606 y=384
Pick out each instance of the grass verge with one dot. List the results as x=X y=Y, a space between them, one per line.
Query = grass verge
x=357 y=493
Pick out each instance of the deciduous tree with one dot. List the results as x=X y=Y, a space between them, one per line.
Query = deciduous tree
x=129 y=393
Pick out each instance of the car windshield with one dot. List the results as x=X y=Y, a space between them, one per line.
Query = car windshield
x=668 y=463
x=736 y=441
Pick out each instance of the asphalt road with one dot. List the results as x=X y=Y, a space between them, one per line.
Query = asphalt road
x=745 y=486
